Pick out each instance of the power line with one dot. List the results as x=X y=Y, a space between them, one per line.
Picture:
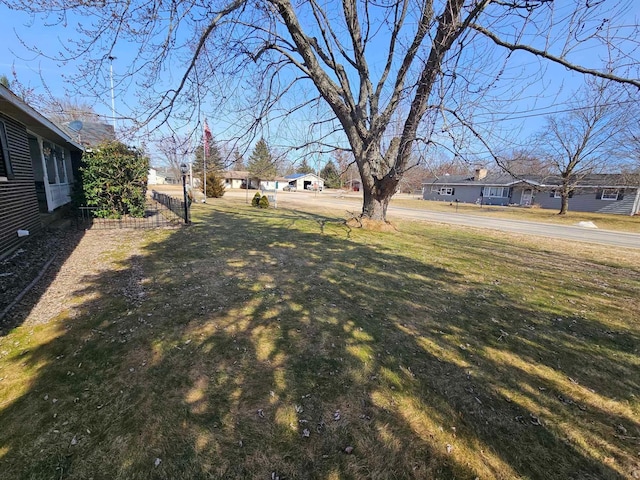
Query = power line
x=523 y=115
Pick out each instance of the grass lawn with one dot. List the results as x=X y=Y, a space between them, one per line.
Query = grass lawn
x=277 y=344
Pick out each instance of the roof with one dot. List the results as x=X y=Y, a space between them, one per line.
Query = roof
x=237 y=174
x=508 y=180
x=297 y=176
x=16 y=108
x=91 y=133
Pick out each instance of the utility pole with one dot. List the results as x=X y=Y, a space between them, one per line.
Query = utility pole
x=113 y=98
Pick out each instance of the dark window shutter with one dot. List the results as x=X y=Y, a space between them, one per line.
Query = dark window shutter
x=621 y=194
x=599 y=194
x=481 y=191
x=552 y=193
x=571 y=194
x=453 y=191
x=5 y=160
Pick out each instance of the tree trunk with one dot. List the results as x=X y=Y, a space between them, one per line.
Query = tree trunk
x=564 y=206
x=377 y=194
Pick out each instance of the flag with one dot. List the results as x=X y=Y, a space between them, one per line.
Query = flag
x=207 y=138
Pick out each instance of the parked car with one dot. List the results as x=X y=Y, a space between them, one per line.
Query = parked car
x=289 y=188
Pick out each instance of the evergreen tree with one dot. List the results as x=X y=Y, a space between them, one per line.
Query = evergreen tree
x=261 y=164
x=214 y=160
x=304 y=167
x=331 y=175
x=5 y=81
x=238 y=162
x=215 y=184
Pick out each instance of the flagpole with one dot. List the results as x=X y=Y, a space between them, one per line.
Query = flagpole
x=205 y=149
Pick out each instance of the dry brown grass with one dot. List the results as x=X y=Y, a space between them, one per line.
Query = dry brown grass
x=435 y=352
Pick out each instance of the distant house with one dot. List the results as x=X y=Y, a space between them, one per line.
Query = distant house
x=242 y=178
x=38 y=164
x=305 y=181
x=238 y=179
x=354 y=184
x=601 y=193
x=164 y=176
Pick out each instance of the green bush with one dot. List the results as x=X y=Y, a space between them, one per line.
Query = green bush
x=113 y=178
x=264 y=202
x=215 y=184
x=255 y=201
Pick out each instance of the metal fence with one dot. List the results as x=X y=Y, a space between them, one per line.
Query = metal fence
x=161 y=211
x=172 y=203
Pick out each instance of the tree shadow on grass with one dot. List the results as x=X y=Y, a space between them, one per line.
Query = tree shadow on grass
x=254 y=346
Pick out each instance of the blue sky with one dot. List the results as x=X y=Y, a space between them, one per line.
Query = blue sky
x=518 y=119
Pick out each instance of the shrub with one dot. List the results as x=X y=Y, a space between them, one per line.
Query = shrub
x=256 y=200
x=113 y=178
x=215 y=184
x=264 y=202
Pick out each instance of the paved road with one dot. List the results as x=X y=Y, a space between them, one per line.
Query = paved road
x=580 y=234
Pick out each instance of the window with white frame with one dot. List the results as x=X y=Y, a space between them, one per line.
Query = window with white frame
x=6 y=170
x=60 y=163
x=557 y=194
x=446 y=191
x=501 y=192
x=610 y=194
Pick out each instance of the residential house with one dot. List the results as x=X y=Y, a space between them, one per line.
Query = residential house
x=38 y=164
x=156 y=176
x=242 y=178
x=239 y=179
x=354 y=184
x=602 y=193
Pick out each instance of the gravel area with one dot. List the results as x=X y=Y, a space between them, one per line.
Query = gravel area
x=22 y=266
x=74 y=256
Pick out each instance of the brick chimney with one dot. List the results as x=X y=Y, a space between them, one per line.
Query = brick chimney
x=480 y=174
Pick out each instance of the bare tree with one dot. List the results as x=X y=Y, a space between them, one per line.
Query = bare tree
x=523 y=162
x=176 y=150
x=439 y=61
x=629 y=146
x=584 y=140
x=68 y=109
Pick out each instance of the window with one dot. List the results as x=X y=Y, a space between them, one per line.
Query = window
x=446 y=191
x=60 y=163
x=6 y=171
x=50 y=161
x=501 y=192
x=558 y=193
x=610 y=194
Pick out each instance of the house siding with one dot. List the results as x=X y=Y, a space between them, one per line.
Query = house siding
x=587 y=202
x=464 y=194
x=18 y=201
